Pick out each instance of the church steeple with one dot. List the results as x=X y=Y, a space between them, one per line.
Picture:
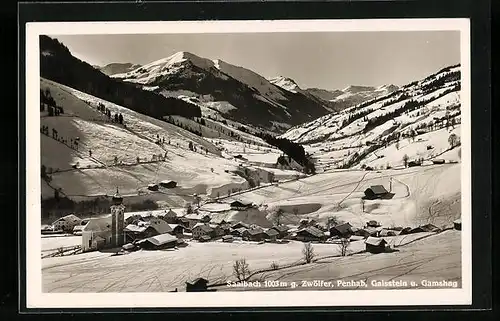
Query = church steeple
x=117 y=198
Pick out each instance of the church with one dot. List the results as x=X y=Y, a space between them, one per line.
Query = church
x=107 y=231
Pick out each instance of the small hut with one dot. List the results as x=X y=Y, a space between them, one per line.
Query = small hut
x=375 y=245
x=168 y=184
x=197 y=285
x=457 y=224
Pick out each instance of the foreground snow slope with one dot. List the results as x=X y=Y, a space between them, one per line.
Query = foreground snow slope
x=157 y=271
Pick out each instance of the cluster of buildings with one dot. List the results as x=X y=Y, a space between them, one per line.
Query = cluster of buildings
x=170 y=228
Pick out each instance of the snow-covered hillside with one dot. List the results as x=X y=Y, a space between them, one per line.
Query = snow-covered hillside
x=130 y=156
x=416 y=120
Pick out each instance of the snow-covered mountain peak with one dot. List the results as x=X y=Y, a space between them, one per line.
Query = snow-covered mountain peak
x=285 y=83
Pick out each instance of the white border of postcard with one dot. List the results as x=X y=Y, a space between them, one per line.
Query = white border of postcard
x=35 y=298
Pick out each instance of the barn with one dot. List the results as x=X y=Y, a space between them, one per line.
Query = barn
x=197 y=285
x=271 y=234
x=343 y=230
x=375 y=245
x=282 y=230
x=377 y=192
x=162 y=241
x=309 y=234
x=237 y=205
x=168 y=184
x=254 y=234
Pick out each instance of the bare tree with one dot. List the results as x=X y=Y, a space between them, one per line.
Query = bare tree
x=308 y=252
x=405 y=160
x=189 y=208
x=278 y=215
x=240 y=269
x=453 y=140
x=344 y=246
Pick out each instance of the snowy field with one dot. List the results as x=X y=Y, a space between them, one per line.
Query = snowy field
x=156 y=271
x=436 y=258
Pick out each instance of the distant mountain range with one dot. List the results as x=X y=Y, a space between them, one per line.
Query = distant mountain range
x=117 y=68
x=233 y=92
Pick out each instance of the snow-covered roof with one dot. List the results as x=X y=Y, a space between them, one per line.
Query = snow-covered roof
x=100 y=224
x=68 y=218
x=376 y=241
x=136 y=229
x=160 y=239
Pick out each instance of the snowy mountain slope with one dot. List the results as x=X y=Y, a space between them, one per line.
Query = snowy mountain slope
x=107 y=153
x=325 y=94
x=118 y=68
x=238 y=93
x=415 y=111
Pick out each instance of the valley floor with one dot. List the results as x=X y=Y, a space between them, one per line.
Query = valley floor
x=429 y=257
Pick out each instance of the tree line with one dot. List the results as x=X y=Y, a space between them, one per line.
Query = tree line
x=409 y=106
x=63 y=68
x=294 y=150
x=46 y=99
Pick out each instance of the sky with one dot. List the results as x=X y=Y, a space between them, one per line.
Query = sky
x=327 y=60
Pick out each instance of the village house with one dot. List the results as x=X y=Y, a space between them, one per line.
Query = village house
x=238 y=232
x=385 y=232
x=377 y=192
x=192 y=219
x=368 y=231
x=282 y=230
x=170 y=217
x=239 y=206
x=158 y=224
x=343 y=230
x=135 y=232
x=227 y=238
x=77 y=230
x=177 y=230
x=271 y=234
x=203 y=230
x=372 y=223
x=218 y=230
x=67 y=223
x=425 y=228
x=254 y=234
x=134 y=219
x=218 y=220
x=240 y=225
x=375 y=245
x=310 y=234
x=158 y=242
